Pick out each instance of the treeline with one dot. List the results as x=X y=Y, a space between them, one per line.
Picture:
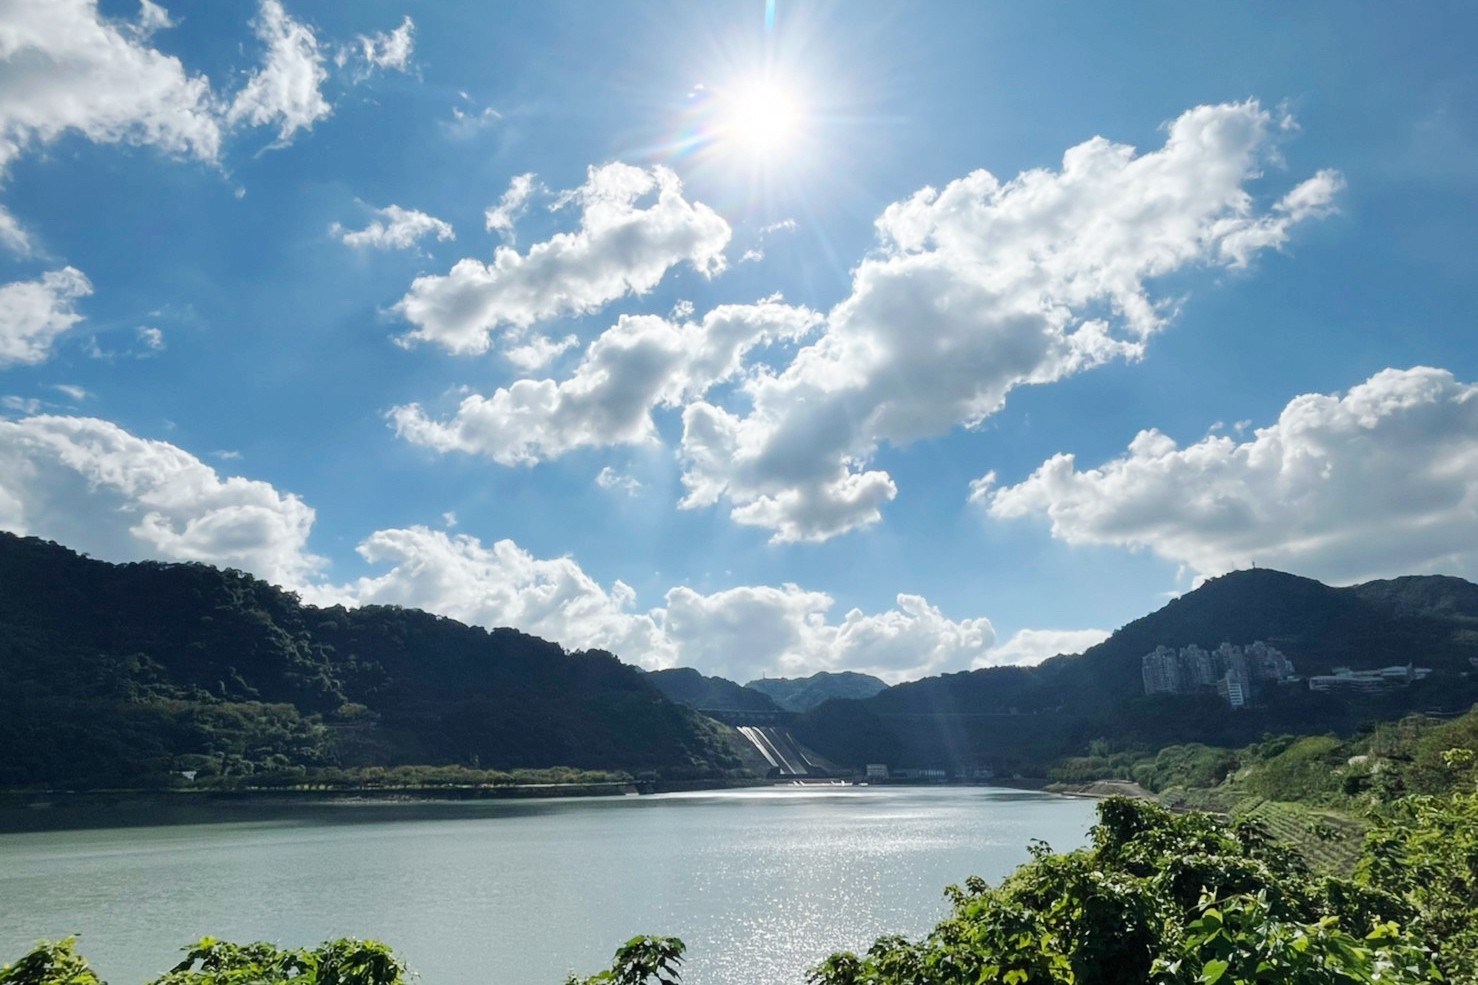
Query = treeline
x=134 y=675
x=1384 y=761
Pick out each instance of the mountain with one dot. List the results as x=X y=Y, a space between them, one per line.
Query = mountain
x=805 y=693
x=1021 y=718
x=687 y=686
x=118 y=674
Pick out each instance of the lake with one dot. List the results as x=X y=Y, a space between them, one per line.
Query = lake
x=760 y=883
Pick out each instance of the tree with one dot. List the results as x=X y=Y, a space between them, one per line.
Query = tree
x=640 y=961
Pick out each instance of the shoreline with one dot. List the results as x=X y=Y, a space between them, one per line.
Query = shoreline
x=33 y=810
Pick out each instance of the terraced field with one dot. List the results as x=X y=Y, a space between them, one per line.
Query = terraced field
x=1328 y=839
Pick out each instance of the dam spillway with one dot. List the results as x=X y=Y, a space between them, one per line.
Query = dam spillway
x=779 y=749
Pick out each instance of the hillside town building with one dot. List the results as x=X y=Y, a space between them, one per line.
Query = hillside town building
x=1233 y=672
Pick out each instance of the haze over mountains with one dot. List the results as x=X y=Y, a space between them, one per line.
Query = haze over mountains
x=688 y=686
x=119 y=674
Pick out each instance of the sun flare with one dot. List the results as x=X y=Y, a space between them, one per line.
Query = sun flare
x=761 y=117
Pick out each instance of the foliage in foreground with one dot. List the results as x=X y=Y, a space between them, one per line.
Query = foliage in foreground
x=1180 y=898
x=213 y=962
x=1158 y=897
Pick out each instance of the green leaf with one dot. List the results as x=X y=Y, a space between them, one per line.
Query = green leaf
x=1212 y=972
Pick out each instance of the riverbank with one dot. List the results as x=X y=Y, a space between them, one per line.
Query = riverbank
x=1099 y=789
x=64 y=809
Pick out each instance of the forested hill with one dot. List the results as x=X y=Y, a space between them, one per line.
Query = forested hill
x=805 y=693
x=687 y=686
x=114 y=675
x=1023 y=718
x=1431 y=620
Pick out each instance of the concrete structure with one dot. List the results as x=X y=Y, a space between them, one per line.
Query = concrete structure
x=1345 y=679
x=1234 y=672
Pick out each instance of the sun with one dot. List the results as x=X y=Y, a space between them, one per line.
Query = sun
x=761 y=117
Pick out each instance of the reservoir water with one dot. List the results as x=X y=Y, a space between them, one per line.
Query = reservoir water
x=761 y=884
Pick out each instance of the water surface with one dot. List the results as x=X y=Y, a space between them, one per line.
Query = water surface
x=760 y=883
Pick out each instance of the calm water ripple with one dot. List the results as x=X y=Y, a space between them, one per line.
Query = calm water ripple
x=761 y=884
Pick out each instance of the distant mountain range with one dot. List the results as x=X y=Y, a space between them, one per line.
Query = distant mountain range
x=689 y=687
x=805 y=693
x=122 y=674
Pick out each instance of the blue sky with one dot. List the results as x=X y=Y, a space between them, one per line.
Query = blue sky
x=897 y=338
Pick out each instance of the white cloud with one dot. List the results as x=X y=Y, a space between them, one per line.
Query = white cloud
x=34 y=312
x=1029 y=647
x=396 y=229
x=152 y=338
x=152 y=17
x=465 y=124
x=609 y=478
x=501 y=585
x=739 y=633
x=388 y=50
x=978 y=288
x=1379 y=482
x=25 y=405
x=93 y=486
x=743 y=633
x=622 y=247
x=13 y=235
x=71 y=391
x=65 y=68
x=756 y=252
x=285 y=90
x=640 y=363
x=538 y=351
x=501 y=218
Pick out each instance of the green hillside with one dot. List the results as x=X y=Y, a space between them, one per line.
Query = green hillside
x=687 y=686
x=1021 y=719
x=805 y=693
x=119 y=675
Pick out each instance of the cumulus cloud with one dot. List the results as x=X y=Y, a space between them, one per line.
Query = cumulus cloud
x=90 y=484
x=739 y=633
x=538 y=351
x=742 y=633
x=501 y=585
x=152 y=17
x=95 y=487
x=387 y=50
x=1378 y=482
x=285 y=90
x=640 y=363
x=65 y=68
x=501 y=218
x=976 y=289
x=396 y=229
x=634 y=226
x=34 y=312
x=1029 y=647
